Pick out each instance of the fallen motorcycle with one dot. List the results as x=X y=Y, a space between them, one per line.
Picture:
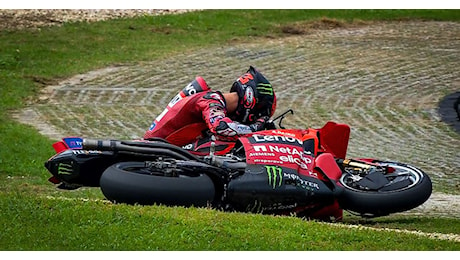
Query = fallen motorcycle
x=303 y=172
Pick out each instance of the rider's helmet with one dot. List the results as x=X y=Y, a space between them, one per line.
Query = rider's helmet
x=256 y=97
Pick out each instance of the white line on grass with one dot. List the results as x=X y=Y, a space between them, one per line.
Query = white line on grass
x=439 y=236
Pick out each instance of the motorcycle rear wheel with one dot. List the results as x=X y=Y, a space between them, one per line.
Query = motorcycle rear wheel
x=136 y=183
x=409 y=187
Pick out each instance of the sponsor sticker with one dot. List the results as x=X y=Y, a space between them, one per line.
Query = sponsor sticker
x=274 y=139
x=74 y=142
x=65 y=169
x=277 y=176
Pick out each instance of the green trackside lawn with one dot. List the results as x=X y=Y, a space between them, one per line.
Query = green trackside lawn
x=35 y=216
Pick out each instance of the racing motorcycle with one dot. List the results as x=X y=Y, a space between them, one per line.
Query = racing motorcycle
x=301 y=172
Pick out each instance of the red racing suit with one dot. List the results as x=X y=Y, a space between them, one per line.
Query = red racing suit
x=183 y=121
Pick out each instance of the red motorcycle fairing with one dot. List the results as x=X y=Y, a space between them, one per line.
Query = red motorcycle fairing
x=202 y=147
x=294 y=149
x=333 y=138
x=282 y=174
x=326 y=163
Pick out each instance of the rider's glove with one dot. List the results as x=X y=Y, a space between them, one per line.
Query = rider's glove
x=269 y=125
x=260 y=124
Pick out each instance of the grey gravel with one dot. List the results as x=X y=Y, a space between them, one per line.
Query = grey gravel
x=12 y=19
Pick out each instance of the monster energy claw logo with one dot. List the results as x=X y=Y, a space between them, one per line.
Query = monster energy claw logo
x=65 y=169
x=265 y=89
x=275 y=176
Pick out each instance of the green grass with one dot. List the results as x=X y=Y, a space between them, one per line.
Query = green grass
x=95 y=225
x=30 y=220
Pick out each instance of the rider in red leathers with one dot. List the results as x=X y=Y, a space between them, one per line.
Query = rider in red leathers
x=245 y=109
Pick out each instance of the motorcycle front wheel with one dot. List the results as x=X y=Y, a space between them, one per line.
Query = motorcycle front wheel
x=136 y=183
x=404 y=188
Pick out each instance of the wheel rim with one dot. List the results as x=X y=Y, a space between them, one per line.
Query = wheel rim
x=401 y=174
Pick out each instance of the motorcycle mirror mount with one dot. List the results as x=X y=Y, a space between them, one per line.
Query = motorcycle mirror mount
x=281 y=117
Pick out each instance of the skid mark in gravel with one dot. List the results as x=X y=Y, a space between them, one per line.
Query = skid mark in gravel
x=384 y=80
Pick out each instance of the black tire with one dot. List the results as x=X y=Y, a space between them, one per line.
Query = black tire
x=410 y=189
x=134 y=183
